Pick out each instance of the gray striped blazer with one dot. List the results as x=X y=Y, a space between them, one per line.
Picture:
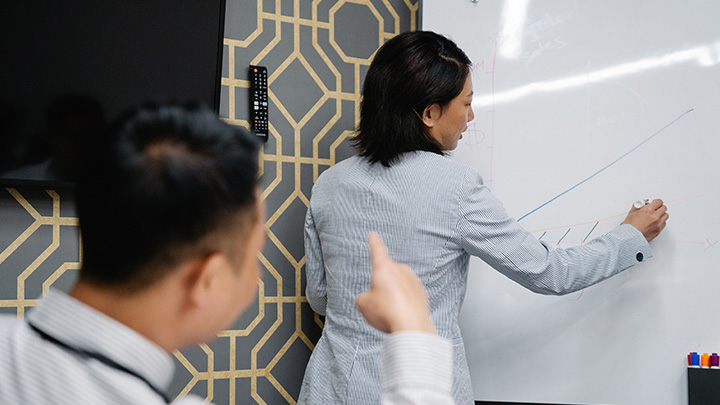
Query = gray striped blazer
x=432 y=213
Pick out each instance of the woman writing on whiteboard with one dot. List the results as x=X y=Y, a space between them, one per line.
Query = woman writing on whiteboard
x=433 y=213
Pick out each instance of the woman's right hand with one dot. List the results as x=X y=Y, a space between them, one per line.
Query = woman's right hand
x=649 y=219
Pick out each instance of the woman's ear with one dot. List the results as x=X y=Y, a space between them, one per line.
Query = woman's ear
x=431 y=114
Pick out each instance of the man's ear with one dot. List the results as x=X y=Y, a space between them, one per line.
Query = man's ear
x=431 y=114
x=204 y=277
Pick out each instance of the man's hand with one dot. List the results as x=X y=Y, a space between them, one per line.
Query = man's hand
x=397 y=300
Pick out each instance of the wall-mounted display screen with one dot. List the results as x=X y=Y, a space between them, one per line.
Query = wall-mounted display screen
x=69 y=67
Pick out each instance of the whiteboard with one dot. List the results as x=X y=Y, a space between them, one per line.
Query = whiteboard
x=583 y=107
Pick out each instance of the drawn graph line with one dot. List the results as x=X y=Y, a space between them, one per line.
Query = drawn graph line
x=710 y=244
x=544 y=230
x=563 y=237
x=593 y=228
x=610 y=164
x=569 y=298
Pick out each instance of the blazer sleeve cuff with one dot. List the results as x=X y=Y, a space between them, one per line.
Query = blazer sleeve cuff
x=634 y=248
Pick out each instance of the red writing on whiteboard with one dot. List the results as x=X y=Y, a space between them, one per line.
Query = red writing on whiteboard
x=473 y=136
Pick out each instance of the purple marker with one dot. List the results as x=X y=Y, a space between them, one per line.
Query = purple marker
x=714 y=361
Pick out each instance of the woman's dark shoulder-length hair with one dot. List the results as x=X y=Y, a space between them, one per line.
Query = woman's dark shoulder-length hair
x=410 y=72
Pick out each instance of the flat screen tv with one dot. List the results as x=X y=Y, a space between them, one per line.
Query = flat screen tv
x=70 y=66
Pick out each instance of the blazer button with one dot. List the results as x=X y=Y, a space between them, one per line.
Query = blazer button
x=639 y=256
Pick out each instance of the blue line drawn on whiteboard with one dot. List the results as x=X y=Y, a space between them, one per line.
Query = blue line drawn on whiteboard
x=610 y=164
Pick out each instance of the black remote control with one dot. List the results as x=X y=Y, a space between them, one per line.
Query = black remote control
x=259 y=101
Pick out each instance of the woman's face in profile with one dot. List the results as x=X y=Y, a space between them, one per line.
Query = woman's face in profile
x=452 y=121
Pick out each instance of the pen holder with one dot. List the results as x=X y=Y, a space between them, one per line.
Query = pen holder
x=703 y=386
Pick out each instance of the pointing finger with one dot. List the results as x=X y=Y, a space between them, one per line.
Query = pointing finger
x=378 y=252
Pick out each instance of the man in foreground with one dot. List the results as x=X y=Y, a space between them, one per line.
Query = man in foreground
x=171 y=225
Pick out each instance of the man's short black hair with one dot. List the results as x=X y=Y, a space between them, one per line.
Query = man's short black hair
x=169 y=182
x=410 y=72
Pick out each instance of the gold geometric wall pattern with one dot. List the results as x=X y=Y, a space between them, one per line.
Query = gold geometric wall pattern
x=317 y=53
x=39 y=246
